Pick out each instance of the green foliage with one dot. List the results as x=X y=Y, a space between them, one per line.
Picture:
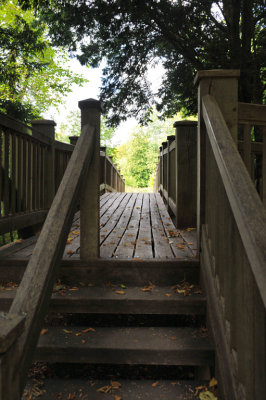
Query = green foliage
x=138 y=157
x=184 y=36
x=72 y=127
x=33 y=75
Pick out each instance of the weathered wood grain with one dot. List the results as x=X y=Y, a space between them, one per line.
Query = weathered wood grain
x=35 y=289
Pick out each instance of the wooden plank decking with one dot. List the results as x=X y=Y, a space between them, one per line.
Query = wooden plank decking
x=132 y=226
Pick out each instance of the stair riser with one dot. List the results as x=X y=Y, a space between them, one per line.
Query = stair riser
x=121 y=307
x=129 y=357
x=128 y=272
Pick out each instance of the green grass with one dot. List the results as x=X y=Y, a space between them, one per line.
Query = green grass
x=130 y=189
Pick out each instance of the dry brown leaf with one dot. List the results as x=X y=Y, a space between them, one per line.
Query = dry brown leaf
x=68 y=241
x=78 y=333
x=213 y=382
x=115 y=384
x=76 y=232
x=154 y=384
x=120 y=292
x=104 y=389
x=88 y=330
x=43 y=332
x=83 y=341
x=168 y=294
x=118 y=397
x=19 y=241
x=74 y=288
x=69 y=252
x=173 y=338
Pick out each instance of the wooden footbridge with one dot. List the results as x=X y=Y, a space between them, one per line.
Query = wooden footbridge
x=117 y=295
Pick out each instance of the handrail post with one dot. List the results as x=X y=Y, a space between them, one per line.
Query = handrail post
x=103 y=168
x=89 y=199
x=47 y=128
x=164 y=169
x=223 y=85
x=73 y=140
x=170 y=173
x=186 y=173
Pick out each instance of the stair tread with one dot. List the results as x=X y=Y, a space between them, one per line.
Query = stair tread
x=125 y=345
x=150 y=338
x=96 y=299
x=129 y=390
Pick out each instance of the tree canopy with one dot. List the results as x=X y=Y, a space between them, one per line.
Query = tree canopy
x=33 y=75
x=184 y=36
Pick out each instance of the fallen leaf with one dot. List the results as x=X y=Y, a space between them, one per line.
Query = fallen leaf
x=213 y=382
x=154 y=384
x=207 y=396
x=173 y=338
x=43 y=332
x=78 y=333
x=69 y=252
x=71 y=396
x=74 y=288
x=118 y=397
x=120 y=292
x=168 y=294
x=67 y=331
x=199 y=388
x=115 y=384
x=123 y=286
x=88 y=330
x=191 y=229
x=19 y=241
x=68 y=241
x=83 y=341
x=76 y=232
x=104 y=389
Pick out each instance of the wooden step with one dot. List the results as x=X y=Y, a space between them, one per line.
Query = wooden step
x=107 y=389
x=130 y=272
x=117 y=300
x=125 y=345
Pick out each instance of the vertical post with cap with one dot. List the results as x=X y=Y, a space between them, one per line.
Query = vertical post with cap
x=89 y=199
x=223 y=85
x=47 y=128
x=186 y=173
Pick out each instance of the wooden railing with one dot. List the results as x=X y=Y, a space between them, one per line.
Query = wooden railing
x=32 y=166
x=232 y=231
x=252 y=122
x=20 y=328
x=176 y=174
x=111 y=179
x=31 y=170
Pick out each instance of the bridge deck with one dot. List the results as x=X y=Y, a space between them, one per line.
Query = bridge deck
x=132 y=225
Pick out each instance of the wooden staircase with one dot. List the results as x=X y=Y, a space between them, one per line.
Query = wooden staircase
x=132 y=322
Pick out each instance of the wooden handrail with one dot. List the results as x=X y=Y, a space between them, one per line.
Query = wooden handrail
x=34 y=292
x=246 y=205
x=251 y=113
